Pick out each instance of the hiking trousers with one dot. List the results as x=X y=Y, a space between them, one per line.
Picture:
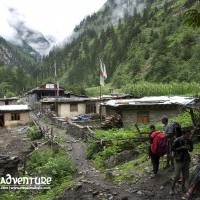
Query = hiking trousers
x=155 y=162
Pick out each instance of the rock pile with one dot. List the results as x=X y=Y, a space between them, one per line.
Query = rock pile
x=9 y=165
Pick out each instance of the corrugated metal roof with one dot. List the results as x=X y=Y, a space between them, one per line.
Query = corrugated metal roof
x=155 y=100
x=14 y=108
x=81 y=99
x=10 y=99
x=62 y=100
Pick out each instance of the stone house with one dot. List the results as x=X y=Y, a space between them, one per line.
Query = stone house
x=71 y=107
x=9 y=101
x=14 y=115
x=147 y=109
x=46 y=90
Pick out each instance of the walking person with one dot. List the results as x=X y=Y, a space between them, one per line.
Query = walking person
x=195 y=184
x=154 y=157
x=168 y=130
x=181 y=147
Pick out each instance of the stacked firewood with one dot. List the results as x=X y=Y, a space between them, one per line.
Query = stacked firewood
x=112 y=121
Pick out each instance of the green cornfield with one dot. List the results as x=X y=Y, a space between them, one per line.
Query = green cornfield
x=141 y=89
x=155 y=89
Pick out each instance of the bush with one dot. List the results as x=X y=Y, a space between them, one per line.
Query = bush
x=92 y=148
x=50 y=164
x=34 y=134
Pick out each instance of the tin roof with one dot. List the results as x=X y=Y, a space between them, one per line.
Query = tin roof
x=14 y=108
x=62 y=100
x=45 y=87
x=82 y=99
x=154 y=100
x=10 y=99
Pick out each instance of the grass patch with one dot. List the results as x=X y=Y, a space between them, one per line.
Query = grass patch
x=133 y=169
x=48 y=162
x=55 y=192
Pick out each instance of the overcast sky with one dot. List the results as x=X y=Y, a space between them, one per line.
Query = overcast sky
x=51 y=17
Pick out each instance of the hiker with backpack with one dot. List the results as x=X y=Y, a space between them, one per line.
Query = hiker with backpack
x=168 y=130
x=158 y=148
x=195 y=183
x=181 y=148
x=177 y=129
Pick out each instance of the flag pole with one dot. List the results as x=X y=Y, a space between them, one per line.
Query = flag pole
x=57 y=83
x=100 y=104
x=103 y=76
x=100 y=112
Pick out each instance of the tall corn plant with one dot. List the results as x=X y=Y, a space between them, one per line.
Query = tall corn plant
x=157 y=89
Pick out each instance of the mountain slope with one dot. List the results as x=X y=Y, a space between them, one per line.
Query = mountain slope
x=27 y=38
x=14 y=56
x=18 y=69
x=34 y=39
x=86 y=36
x=152 y=45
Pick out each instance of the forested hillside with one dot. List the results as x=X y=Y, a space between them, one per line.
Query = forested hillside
x=138 y=40
x=151 y=45
x=18 y=69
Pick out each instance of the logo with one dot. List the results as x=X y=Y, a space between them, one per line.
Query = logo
x=13 y=183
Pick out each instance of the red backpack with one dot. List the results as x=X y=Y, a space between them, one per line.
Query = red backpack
x=159 y=145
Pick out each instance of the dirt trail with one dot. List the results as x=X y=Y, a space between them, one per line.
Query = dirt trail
x=91 y=185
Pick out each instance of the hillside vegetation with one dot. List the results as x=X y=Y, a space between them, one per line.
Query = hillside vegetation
x=152 y=46
x=149 y=51
x=18 y=69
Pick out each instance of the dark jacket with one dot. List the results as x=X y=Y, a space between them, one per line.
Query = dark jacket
x=181 y=149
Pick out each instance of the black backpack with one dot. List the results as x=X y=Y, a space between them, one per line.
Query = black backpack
x=177 y=129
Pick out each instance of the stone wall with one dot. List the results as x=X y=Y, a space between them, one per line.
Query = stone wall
x=76 y=130
x=24 y=119
x=130 y=116
x=9 y=165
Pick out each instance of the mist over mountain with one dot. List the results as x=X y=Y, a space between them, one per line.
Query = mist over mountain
x=110 y=13
x=138 y=41
x=27 y=37
x=20 y=34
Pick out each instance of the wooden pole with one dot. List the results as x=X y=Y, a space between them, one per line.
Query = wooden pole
x=192 y=117
x=100 y=105
x=51 y=135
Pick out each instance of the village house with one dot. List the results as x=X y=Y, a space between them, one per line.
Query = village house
x=71 y=107
x=9 y=101
x=46 y=90
x=194 y=110
x=14 y=115
x=147 y=109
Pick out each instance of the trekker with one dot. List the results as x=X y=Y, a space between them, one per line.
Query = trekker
x=181 y=148
x=168 y=130
x=195 y=181
x=154 y=158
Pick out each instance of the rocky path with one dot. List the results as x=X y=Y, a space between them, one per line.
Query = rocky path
x=90 y=184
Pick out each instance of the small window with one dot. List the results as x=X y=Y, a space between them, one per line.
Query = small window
x=143 y=117
x=15 y=116
x=50 y=86
x=90 y=108
x=73 y=107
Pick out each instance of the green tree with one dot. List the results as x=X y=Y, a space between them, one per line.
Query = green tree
x=192 y=16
